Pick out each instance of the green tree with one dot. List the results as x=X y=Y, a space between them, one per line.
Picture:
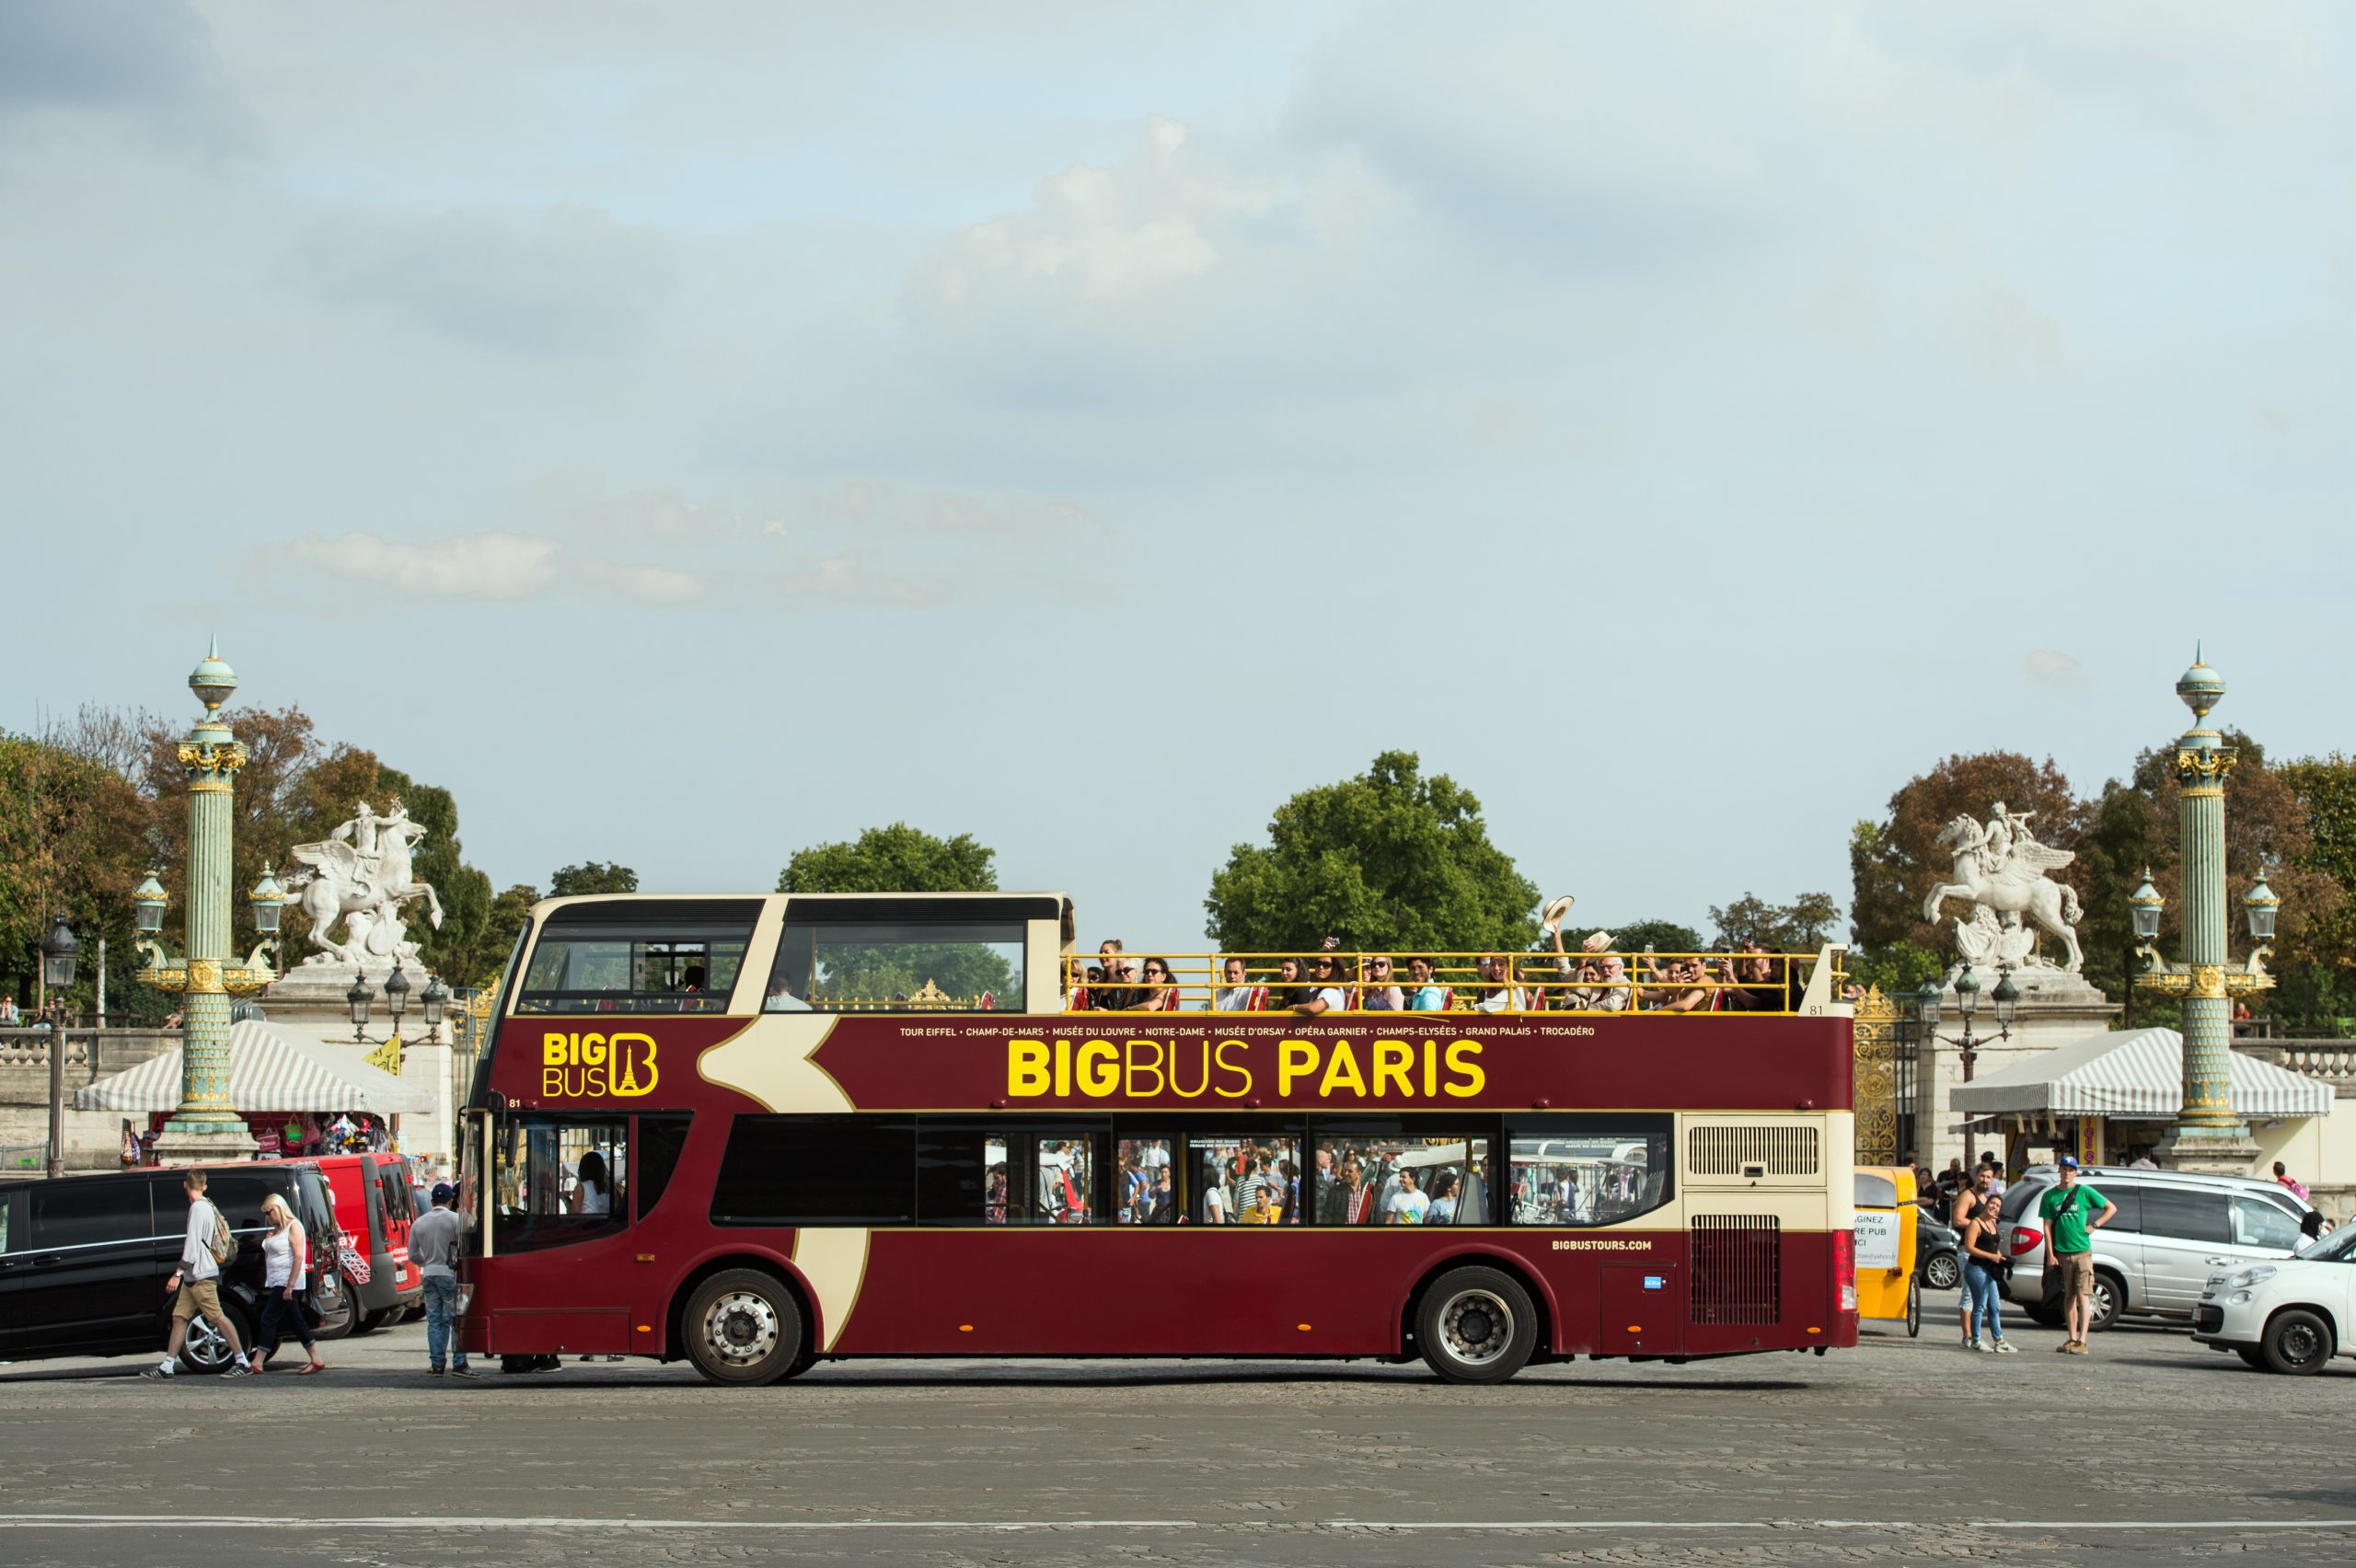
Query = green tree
x=1660 y=936
x=1897 y=969
x=1802 y=926
x=592 y=876
x=1388 y=860
x=72 y=840
x=899 y=858
x=2326 y=787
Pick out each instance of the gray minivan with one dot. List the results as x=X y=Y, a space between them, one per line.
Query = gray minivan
x=2173 y=1230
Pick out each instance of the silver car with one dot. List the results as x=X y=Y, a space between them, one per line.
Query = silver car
x=2173 y=1230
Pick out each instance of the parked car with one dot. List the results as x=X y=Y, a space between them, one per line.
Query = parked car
x=84 y=1259
x=2173 y=1230
x=2291 y=1316
x=1938 y=1261
x=372 y=1202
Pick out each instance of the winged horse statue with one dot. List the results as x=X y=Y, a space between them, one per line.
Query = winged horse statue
x=2002 y=868
x=361 y=875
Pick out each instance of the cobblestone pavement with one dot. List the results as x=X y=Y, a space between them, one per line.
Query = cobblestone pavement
x=2151 y=1450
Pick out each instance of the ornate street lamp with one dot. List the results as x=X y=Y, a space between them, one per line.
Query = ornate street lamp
x=357 y=1000
x=1967 y=1003
x=397 y=995
x=204 y=973
x=2208 y=1134
x=434 y=999
x=60 y=952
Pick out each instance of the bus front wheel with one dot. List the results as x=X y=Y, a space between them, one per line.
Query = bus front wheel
x=743 y=1328
x=1477 y=1325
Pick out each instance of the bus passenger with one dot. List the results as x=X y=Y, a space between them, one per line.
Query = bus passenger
x=1289 y=992
x=1115 y=996
x=1160 y=991
x=1380 y=995
x=1497 y=995
x=1443 y=1205
x=1329 y=995
x=1236 y=993
x=1428 y=997
x=1407 y=1205
x=1214 y=1193
x=592 y=1194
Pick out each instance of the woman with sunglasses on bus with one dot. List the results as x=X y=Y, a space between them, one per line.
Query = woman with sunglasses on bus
x=1160 y=991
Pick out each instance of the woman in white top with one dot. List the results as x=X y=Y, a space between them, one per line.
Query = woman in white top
x=286 y=1263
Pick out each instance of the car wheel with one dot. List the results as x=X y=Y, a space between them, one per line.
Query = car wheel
x=369 y=1322
x=1477 y=1325
x=1941 y=1272
x=206 y=1350
x=1913 y=1309
x=2251 y=1355
x=2109 y=1300
x=743 y=1328
x=2297 y=1342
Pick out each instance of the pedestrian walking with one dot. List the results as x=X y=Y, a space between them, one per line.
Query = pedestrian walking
x=2073 y=1212
x=433 y=1243
x=2283 y=1178
x=285 y=1294
x=208 y=1244
x=1983 y=1277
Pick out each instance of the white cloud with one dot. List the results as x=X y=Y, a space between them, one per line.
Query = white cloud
x=489 y=567
x=476 y=566
x=657 y=585
x=2048 y=668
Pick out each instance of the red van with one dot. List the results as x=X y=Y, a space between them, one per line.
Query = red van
x=372 y=1200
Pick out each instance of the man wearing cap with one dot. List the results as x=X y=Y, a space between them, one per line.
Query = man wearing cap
x=433 y=1243
x=2073 y=1212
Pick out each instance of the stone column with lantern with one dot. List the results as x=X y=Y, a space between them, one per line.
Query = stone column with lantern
x=2209 y=1136
x=205 y=975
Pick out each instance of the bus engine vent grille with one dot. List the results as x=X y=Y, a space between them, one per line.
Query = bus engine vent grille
x=1734 y=1262
x=1717 y=1150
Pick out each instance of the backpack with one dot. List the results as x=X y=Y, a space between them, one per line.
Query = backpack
x=223 y=1242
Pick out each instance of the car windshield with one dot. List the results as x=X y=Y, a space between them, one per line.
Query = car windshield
x=2334 y=1247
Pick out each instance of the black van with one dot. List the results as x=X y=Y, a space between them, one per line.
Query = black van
x=84 y=1259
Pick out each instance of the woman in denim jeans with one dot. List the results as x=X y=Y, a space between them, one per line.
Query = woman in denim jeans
x=1983 y=1272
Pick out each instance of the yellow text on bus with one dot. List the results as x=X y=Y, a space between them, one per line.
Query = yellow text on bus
x=587 y=1062
x=1145 y=1070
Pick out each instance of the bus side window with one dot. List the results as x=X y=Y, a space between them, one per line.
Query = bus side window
x=1587 y=1169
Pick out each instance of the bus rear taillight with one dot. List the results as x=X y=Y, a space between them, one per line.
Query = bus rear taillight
x=1844 y=1268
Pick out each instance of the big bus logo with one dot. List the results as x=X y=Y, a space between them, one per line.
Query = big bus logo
x=586 y=1063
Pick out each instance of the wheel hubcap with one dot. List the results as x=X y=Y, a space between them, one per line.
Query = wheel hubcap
x=2299 y=1345
x=204 y=1345
x=1476 y=1327
x=741 y=1328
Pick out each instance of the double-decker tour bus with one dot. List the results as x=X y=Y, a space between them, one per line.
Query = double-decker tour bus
x=756 y=1131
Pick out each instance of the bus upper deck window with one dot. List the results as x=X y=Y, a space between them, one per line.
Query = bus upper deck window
x=638 y=956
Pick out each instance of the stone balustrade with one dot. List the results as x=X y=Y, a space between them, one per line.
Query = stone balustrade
x=2328 y=1061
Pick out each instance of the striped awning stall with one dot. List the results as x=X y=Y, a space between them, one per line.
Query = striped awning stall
x=2138 y=1075
x=267 y=1071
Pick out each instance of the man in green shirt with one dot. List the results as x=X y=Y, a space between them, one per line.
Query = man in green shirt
x=2073 y=1212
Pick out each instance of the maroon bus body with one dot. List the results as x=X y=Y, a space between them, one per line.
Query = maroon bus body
x=1127 y=1290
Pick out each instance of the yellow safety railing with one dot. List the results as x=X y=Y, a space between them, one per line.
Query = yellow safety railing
x=1571 y=982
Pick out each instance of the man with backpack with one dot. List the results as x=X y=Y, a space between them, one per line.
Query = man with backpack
x=2071 y=1213
x=209 y=1244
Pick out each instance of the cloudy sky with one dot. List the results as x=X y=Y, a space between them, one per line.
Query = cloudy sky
x=691 y=432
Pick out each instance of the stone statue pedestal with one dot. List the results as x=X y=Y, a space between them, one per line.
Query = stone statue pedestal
x=2185 y=1148
x=204 y=1149
x=2056 y=1006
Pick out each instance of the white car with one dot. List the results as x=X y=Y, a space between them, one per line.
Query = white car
x=2291 y=1316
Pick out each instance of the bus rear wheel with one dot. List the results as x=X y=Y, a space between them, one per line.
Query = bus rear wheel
x=1477 y=1325
x=743 y=1328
